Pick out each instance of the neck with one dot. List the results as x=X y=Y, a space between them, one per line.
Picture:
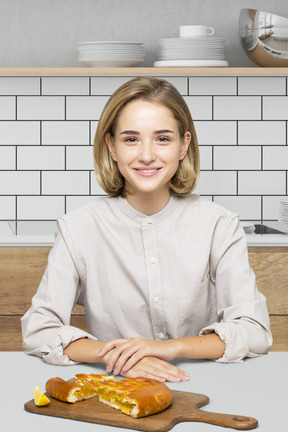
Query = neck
x=148 y=204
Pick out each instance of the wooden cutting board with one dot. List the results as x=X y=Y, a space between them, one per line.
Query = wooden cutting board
x=185 y=407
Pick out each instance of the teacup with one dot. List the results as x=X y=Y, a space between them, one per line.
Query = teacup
x=196 y=31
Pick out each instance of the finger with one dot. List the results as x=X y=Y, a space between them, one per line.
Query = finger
x=118 y=358
x=172 y=373
x=133 y=360
x=133 y=374
x=110 y=345
x=167 y=371
x=127 y=359
x=125 y=363
x=129 y=351
x=173 y=376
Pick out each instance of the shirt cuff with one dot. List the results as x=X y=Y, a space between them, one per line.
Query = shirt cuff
x=236 y=346
x=52 y=352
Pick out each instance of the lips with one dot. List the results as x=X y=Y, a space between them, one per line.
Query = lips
x=147 y=172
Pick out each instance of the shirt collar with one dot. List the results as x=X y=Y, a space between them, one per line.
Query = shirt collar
x=143 y=218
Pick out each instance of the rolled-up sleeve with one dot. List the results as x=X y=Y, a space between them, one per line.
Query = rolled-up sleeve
x=46 y=328
x=244 y=324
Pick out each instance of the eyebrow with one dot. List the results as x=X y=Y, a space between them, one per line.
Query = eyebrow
x=129 y=132
x=132 y=132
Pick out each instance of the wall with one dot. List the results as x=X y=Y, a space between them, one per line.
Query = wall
x=47 y=125
x=46 y=32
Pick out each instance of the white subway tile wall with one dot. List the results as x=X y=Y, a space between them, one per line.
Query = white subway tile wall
x=64 y=133
x=214 y=86
x=40 y=108
x=262 y=86
x=40 y=207
x=65 y=86
x=7 y=208
x=84 y=108
x=7 y=158
x=262 y=133
x=237 y=108
x=19 y=132
x=8 y=108
x=48 y=123
x=65 y=182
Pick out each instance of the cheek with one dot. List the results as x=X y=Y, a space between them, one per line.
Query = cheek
x=125 y=156
x=172 y=156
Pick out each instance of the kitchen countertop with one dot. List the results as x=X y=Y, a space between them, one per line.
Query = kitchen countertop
x=257 y=388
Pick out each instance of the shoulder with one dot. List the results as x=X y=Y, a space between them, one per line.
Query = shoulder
x=97 y=210
x=205 y=207
x=84 y=223
x=94 y=206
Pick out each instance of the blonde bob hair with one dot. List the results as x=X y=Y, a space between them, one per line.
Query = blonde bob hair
x=157 y=91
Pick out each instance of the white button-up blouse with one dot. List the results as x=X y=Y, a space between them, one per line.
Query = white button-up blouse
x=181 y=272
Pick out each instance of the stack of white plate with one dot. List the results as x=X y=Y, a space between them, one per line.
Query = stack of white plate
x=283 y=211
x=200 y=51
x=111 y=53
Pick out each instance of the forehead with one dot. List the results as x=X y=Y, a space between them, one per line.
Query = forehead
x=142 y=111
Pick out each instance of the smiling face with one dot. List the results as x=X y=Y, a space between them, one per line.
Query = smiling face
x=147 y=148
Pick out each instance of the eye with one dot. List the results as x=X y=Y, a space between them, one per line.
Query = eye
x=131 y=140
x=163 y=139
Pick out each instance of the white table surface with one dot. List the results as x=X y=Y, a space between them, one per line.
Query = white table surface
x=257 y=388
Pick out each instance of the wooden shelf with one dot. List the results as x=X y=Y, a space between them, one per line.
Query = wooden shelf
x=144 y=71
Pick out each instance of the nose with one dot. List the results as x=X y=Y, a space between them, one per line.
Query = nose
x=146 y=152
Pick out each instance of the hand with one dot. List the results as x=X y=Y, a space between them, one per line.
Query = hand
x=152 y=367
x=123 y=354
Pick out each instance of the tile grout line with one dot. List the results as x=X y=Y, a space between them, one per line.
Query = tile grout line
x=41 y=183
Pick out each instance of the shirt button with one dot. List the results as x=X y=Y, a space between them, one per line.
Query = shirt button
x=162 y=335
x=149 y=221
x=156 y=299
x=153 y=260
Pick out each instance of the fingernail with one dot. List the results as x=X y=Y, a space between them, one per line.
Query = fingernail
x=116 y=372
x=108 y=369
x=100 y=353
x=176 y=379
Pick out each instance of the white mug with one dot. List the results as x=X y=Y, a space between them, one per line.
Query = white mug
x=195 y=31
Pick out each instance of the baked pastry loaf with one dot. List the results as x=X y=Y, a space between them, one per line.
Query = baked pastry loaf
x=136 y=397
x=72 y=391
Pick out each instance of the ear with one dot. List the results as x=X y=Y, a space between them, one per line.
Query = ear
x=185 y=145
x=111 y=146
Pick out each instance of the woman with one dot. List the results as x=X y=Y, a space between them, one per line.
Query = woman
x=162 y=273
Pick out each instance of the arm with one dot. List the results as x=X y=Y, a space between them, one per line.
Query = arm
x=125 y=353
x=46 y=325
x=243 y=320
x=85 y=350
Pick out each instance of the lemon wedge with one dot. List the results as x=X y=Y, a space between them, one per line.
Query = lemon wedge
x=40 y=398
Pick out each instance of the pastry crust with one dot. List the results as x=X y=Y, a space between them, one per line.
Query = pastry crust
x=137 y=397
x=72 y=391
